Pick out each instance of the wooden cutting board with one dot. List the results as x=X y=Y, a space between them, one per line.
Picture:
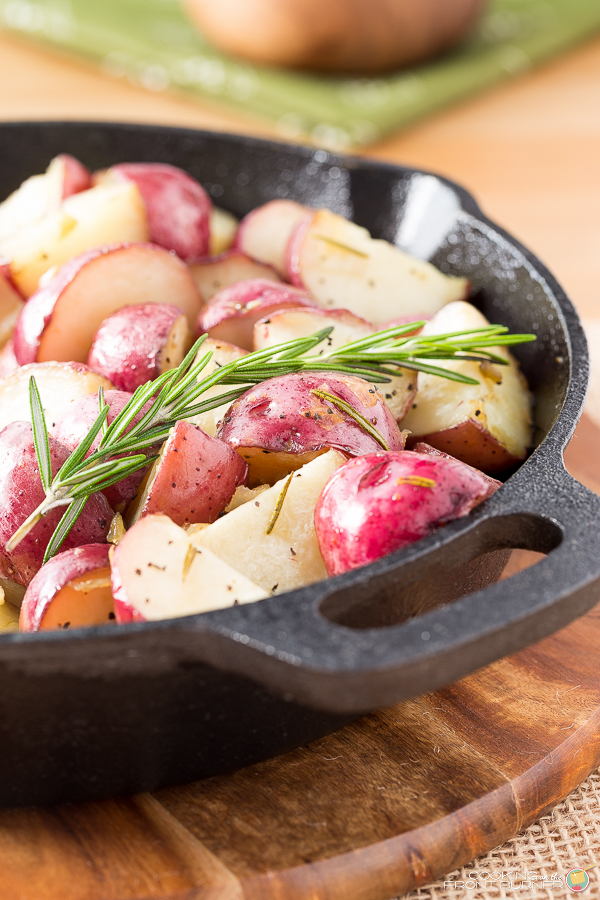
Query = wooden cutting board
x=395 y=800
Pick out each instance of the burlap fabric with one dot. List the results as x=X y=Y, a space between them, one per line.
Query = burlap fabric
x=535 y=862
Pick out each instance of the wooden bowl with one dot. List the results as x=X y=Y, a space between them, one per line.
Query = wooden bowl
x=363 y=36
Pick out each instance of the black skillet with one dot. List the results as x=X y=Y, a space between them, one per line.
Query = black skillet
x=93 y=713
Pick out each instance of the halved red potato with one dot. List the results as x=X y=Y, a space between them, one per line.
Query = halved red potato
x=287 y=324
x=265 y=232
x=281 y=424
x=159 y=573
x=177 y=206
x=61 y=321
x=214 y=273
x=487 y=425
x=73 y=590
x=340 y=264
x=376 y=504
x=428 y=450
x=286 y=555
x=223 y=228
x=60 y=385
x=136 y=344
x=11 y=304
x=21 y=492
x=233 y=312
x=72 y=427
x=192 y=481
x=8 y=360
x=222 y=353
x=41 y=195
x=101 y=215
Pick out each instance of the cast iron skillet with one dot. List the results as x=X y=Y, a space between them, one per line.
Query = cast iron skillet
x=103 y=711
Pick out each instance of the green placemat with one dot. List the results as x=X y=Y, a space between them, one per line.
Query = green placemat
x=151 y=43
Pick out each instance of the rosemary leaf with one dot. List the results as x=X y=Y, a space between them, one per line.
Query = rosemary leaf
x=64 y=526
x=40 y=435
x=279 y=504
x=354 y=414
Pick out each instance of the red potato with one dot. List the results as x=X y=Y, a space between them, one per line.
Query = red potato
x=8 y=360
x=178 y=208
x=428 y=450
x=41 y=195
x=280 y=425
x=136 y=344
x=264 y=234
x=11 y=305
x=222 y=353
x=376 y=504
x=223 y=228
x=159 y=573
x=61 y=320
x=71 y=428
x=294 y=323
x=487 y=425
x=21 y=492
x=101 y=215
x=193 y=480
x=72 y=590
x=60 y=385
x=340 y=264
x=214 y=273
x=233 y=312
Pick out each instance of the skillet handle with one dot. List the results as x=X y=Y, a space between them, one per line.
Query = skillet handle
x=289 y=646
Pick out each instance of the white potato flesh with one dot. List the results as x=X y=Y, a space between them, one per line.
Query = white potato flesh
x=223 y=226
x=215 y=273
x=341 y=265
x=500 y=403
x=9 y=617
x=265 y=232
x=223 y=353
x=32 y=201
x=104 y=214
x=10 y=307
x=60 y=385
x=158 y=573
x=289 y=556
x=288 y=324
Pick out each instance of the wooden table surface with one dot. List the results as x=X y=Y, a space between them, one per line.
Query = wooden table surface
x=529 y=150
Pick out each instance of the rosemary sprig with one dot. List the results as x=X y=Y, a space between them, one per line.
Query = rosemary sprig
x=126 y=444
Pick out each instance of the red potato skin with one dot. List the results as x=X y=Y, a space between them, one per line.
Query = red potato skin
x=292 y=258
x=40 y=306
x=38 y=311
x=472 y=444
x=196 y=477
x=76 y=177
x=178 y=207
x=233 y=312
x=72 y=428
x=8 y=360
x=124 y=611
x=55 y=575
x=21 y=492
x=215 y=273
x=367 y=511
x=293 y=213
x=282 y=416
x=128 y=345
x=8 y=570
x=428 y=450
